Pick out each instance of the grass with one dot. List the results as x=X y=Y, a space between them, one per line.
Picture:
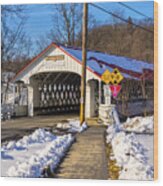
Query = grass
x=113 y=169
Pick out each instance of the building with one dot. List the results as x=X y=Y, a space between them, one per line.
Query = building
x=53 y=81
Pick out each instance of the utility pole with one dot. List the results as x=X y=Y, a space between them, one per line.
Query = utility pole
x=84 y=65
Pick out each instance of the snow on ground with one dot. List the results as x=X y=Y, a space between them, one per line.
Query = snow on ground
x=147 y=141
x=130 y=150
x=139 y=124
x=29 y=156
x=72 y=126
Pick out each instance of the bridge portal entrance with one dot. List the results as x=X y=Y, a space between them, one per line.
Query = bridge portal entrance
x=56 y=93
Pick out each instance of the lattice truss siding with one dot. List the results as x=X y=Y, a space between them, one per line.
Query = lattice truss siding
x=58 y=92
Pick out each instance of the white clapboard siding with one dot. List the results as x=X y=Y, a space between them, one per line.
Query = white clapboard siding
x=41 y=65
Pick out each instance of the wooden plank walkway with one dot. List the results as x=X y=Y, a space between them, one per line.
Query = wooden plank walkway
x=86 y=158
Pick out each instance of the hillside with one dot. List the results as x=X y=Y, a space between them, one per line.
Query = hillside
x=123 y=39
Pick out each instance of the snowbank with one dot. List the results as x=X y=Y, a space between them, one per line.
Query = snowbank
x=139 y=124
x=76 y=127
x=72 y=126
x=129 y=154
x=29 y=156
x=38 y=136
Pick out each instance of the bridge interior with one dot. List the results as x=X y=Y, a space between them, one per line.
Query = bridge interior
x=56 y=92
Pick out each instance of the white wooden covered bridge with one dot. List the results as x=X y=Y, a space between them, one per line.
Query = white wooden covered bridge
x=53 y=79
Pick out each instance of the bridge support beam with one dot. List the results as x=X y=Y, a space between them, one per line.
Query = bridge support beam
x=30 y=101
x=90 y=99
x=36 y=94
x=99 y=92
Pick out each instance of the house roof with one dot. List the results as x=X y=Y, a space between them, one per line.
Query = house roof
x=98 y=62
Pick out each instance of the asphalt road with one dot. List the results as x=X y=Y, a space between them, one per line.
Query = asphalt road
x=16 y=128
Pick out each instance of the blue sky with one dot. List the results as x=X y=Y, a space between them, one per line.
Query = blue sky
x=39 y=20
x=146 y=7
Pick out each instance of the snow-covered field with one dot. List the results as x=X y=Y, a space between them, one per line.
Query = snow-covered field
x=133 y=152
x=139 y=124
x=147 y=141
x=29 y=156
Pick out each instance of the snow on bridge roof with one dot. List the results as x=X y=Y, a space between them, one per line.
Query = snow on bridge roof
x=98 y=62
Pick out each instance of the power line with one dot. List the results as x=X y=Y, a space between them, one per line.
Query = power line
x=136 y=11
x=120 y=18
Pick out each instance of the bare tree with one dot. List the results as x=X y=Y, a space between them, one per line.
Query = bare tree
x=14 y=42
x=42 y=42
x=124 y=39
x=67 y=26
x=67 y=21
x=15 y=45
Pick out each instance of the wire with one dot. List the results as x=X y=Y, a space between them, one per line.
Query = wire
x=136 y=11
x=120 y=18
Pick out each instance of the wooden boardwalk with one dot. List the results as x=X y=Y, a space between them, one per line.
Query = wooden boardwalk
x=86 y=158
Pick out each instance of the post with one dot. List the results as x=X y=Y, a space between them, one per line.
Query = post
x=99 y=89
x=144 y=95
x=107 y=94
x=14 y=93
x=84 y=55
x=30 y=101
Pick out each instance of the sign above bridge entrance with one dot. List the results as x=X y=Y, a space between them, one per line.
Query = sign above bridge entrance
x=55 y=58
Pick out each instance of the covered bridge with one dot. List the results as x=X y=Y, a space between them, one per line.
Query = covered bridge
x=53 y=78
